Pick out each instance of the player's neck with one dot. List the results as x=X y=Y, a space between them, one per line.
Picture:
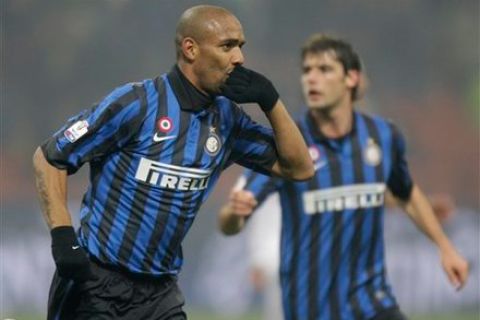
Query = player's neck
x=334 y=122
x=187 y=71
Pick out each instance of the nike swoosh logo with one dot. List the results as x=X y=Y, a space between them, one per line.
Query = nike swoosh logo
x=75 y=247
x=157 y=138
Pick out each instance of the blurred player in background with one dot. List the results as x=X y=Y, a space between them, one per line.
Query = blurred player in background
x=332 y=251
x=156 y=149
x=263 y=245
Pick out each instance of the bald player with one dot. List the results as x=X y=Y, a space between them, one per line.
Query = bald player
x=156 y=149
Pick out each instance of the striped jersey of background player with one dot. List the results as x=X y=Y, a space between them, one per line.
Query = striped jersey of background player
x=156 y=149
x=332 y=251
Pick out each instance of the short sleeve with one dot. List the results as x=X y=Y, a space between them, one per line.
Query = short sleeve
x=254 y=145
x=98 y=131
x=399 y=182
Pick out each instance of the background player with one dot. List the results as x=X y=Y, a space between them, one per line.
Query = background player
x=332 y=260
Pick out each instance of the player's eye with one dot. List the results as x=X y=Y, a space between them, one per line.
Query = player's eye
x=325 y=68
x=228 y=46
x=306 y=70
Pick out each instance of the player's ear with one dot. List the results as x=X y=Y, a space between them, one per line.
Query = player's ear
x=352 y=79
x=189 y=48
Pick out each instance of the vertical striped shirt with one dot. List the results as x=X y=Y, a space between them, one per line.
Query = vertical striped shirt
x=332 y=250
x=155 y=149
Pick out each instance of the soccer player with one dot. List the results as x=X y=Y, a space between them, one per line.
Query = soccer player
x=155 y=150
x=332 y=252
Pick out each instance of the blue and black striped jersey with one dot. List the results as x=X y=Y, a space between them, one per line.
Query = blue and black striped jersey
x=332 y=249
x=155 y=149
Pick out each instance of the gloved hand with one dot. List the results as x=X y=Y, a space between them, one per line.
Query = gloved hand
x=71 y=260
x=245 y=85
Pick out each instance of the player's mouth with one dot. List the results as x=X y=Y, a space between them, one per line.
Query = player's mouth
x=314 y=94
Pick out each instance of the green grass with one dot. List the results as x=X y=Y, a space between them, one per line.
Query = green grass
x=23 y=316
x=448 y=317
x=202 y=315
x=199 y=315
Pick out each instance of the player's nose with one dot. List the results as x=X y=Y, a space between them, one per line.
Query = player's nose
x=237 y=58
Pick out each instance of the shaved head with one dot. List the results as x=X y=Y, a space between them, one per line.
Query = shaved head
x=199 y=23
x=208 y=43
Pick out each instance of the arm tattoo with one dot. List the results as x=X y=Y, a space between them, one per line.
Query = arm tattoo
x=43 y=195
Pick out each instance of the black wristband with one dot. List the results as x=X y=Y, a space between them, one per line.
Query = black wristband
x=267 y=101
x=70 y=258
x=63 y=234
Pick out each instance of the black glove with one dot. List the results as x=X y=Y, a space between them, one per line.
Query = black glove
x=71 y=260
x=245 y=85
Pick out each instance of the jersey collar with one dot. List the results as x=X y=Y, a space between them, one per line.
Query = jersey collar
x=189 y=97
x=318 y=135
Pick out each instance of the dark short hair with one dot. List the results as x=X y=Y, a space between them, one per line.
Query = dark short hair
x=345 y=54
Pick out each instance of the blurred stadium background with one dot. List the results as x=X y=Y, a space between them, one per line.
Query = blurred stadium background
x=422 y=59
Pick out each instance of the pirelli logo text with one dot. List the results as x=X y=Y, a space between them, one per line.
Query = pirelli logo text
x=352 y=197
x=172 y=177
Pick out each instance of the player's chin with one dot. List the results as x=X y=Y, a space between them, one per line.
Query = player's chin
x=217 y=88
x=215 y=91
x=315 y=105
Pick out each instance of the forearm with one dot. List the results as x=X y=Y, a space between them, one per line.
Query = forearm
x=294 y=160
x=51 y=184
x=421 y=212
x=229 y=222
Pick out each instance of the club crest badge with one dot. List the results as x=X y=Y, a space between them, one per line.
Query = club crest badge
x=213 y=143
x=372 y=153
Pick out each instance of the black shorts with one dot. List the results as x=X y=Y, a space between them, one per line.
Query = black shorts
x=393 y=313
x=115 y=295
